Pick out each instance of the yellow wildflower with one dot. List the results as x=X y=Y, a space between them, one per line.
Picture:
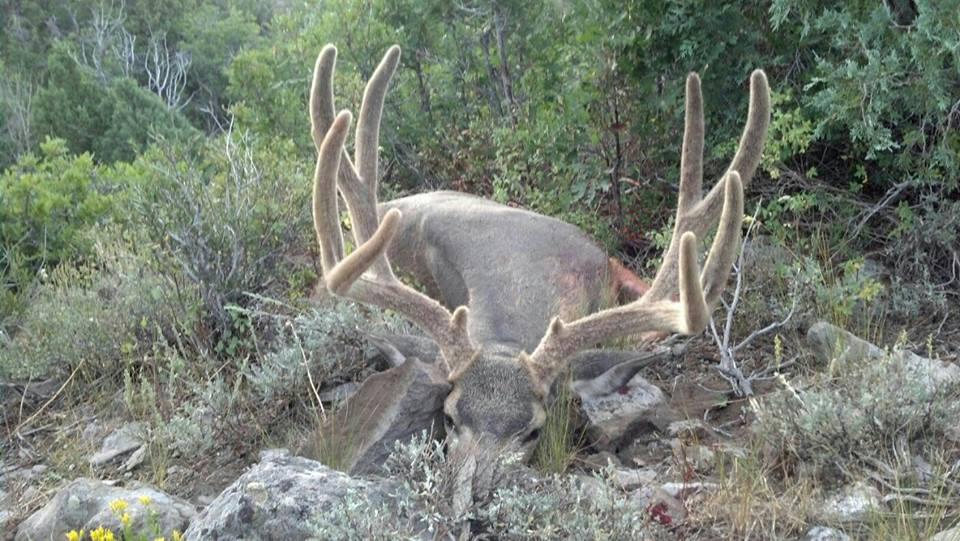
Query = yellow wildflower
x=125 y=520
x=144 y=500
x=159 y=539
x=177 y=536
x=74 y=535
x=118 y=506
x=101 y=534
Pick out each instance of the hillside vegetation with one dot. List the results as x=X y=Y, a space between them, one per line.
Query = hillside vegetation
x=158 y=261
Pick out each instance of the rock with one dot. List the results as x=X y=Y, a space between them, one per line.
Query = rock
x=690 y=428
x=30 y=494
x=701 y=457
x=126 y=439
x=601 y=460
x=92 y=432
x=822 y=533
x=684 y=490
x=590 y=485
x=85 y=504
x=630 y=479
x=833 y=344
x=20 y=476
x=953 y=534
x=853 y=503
x=663 y=508
x=276 y=499
x=30 y=395
x=340 y=392
x=390 y=406
x=7 y=512
x=611 y=416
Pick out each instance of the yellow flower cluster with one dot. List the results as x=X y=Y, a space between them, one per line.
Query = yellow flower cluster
x=101 y=534
x=119 y=508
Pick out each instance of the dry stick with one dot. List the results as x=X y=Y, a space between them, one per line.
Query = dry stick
x=47 y=403
x=313 y=387
x=23 y=398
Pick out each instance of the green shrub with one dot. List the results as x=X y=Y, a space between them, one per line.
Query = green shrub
x=326 y=341
x=51 y=202
x=51 y=206
x=215 y=36
x=264 y=394
x=228 y=216
x=112 y=119
x=113 y=307
x=555 y=507
x=843 y=423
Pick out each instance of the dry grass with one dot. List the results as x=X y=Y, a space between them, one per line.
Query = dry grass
x=754 y=501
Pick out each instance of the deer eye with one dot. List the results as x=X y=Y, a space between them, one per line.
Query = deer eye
x=533 y=435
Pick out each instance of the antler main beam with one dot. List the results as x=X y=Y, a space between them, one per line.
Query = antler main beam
x=365 y=275
x=697 y=213
x=678 y=276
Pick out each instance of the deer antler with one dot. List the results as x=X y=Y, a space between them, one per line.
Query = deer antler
x=349 y=277
x=678 y=273
x=696 y=213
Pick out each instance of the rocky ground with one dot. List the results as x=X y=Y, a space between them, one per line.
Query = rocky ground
x=665 y=436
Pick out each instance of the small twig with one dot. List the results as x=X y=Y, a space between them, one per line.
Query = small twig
x=48 y=402
x=771 y=327
x=765 y=373
x=949 y=503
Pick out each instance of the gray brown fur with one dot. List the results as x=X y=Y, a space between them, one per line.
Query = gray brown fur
x=513 y=296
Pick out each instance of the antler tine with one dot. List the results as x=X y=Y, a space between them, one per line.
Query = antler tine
x=691 y=154
x=750 y=149
x=723 y=251
x=368 y=124
x=359 y=188
x=321 y=95
x=688 y=316
x=696 y=214
x=326 y=212
x=346 y=276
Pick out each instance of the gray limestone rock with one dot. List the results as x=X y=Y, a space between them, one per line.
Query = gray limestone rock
x=85 y=504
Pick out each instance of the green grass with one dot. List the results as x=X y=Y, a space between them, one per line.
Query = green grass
x=559 y=444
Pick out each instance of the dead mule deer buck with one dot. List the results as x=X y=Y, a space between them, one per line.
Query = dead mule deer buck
x=512 y=297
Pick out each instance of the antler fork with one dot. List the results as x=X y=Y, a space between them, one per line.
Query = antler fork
x=358 y=184
x=678 y=274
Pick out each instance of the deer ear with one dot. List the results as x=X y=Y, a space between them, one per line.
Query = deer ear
x=602 y=372
x=397 y=348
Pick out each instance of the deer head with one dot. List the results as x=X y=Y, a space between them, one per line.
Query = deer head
x=499 y=388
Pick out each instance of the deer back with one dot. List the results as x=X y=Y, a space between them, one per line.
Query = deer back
x=514 y=269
